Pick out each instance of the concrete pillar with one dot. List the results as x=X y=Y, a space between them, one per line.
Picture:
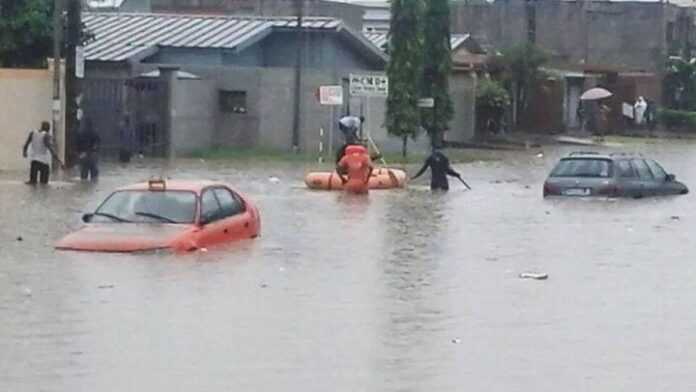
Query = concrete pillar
x=168 y=74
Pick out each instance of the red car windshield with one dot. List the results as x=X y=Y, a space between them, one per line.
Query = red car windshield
x=149 y=207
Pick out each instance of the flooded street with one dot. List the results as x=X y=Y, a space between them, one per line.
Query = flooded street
x=400 y=291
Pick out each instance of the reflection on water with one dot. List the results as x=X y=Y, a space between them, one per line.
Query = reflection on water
x=396 y=291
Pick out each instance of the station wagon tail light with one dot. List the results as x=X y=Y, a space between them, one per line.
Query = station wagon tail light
x=157 y=185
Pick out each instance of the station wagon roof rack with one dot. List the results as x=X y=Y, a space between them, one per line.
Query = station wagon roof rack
x=583 y=153
x=626 y=154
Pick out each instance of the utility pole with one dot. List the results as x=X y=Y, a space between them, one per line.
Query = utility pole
x=72 y=84
x=299 y=6
x=57 y=41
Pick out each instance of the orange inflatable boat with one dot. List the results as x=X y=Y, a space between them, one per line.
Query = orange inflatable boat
x=381 y=178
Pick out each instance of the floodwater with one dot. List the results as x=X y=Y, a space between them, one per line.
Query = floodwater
x=400 y=291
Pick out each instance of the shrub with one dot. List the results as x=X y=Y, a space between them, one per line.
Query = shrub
x=677 y=118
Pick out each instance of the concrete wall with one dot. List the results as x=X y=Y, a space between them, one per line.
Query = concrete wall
x=629 y=34
x=463 y=94
x=321 y=50
x=25 y=101
x=193 y=115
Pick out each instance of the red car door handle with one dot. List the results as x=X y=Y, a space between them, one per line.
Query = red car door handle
x=246 y=224
x=226 y=231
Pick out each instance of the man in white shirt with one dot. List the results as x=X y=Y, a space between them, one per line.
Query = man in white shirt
x=350 y=126
x=39 y=150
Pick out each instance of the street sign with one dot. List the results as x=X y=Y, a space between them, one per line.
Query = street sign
x=330 y=95
x=79 y=62
x=426 y=103
x=368 y=85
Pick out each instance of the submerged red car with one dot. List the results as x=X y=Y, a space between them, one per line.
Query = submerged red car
x=174 y=215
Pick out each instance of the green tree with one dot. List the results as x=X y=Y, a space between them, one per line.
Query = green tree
x=491 y=101
x=25 y=32
x=522 y=63
x=437 y=68
x=680 y=84
x=405 y=69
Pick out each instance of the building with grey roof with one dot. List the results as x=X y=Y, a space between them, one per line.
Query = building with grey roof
x=240 y=78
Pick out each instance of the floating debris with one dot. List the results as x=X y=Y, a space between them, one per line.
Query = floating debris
x=27 y=292
x=263 y=285
x=674 y=217
x=20 y=239
x=106 y=286
x=274 y=180
x=456 y=340
x=534 y=275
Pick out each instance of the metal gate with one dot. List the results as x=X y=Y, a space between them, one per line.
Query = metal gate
x=143 y=100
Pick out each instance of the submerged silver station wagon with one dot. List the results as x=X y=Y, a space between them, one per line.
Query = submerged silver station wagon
x=611 y=175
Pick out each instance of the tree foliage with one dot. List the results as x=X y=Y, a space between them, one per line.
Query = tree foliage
x=522 y=64
x=491 y=101
x=437 y=68
x=680 y=84
x=405 y=69
x=25 y=32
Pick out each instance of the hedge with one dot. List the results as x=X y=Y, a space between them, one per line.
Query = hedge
x=677 y=118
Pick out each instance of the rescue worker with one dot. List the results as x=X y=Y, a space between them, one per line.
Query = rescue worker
x=350 y=126
x=439 y=169
x=88 y=142
x=355 y=169
x=39 y=150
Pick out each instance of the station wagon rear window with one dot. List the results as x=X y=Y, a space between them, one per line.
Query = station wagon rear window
x=582 y=167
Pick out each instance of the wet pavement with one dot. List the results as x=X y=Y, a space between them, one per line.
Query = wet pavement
x=400 y=291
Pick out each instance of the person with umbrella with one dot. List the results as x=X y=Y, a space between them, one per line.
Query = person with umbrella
x=599 y=118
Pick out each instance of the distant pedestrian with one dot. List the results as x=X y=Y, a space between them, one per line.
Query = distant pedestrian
x=39 y=150
x=88 y=143
x=440 y=168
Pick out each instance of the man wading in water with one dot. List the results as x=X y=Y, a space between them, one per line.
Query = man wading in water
x=439 y=169
x=39 y=150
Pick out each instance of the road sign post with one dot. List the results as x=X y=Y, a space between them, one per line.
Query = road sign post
x=330 y=96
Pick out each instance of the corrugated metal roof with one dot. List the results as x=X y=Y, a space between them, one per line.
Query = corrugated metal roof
x=119 y=36
x=380 y=39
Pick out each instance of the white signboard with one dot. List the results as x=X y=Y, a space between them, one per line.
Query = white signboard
x=426 y=103
x=369 y=85
x=627 y=110
x=79 y=62
x=331 y=95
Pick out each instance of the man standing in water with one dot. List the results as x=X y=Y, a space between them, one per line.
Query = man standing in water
x=39 y=150
x=88 y=147
x=439 y=169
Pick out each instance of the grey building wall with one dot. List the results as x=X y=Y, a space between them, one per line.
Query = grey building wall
x=321 y=50
x=193 y=115
x=463 y=93
x=136 y=6
x=187 y=56
x=631 y=34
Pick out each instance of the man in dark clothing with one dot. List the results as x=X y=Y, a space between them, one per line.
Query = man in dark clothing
x=439 y=169
x=88 y=148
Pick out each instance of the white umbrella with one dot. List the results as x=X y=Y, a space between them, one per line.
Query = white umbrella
x=595 y=93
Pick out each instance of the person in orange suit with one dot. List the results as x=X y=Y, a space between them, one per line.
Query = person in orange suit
x=355 y=169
